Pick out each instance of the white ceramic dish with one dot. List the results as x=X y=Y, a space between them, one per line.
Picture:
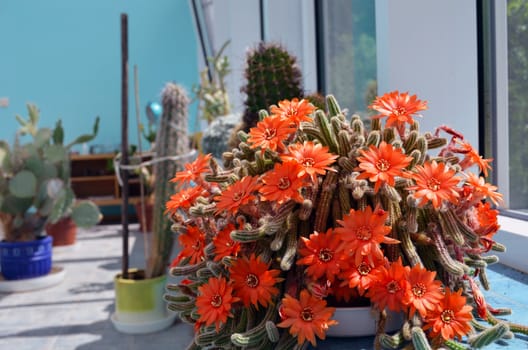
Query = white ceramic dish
x=55 y=276
x=360 y=321
x=143 y=327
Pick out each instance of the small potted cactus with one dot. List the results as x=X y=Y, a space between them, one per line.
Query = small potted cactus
x=34 y=192
x=313 y=211
x=140 y=307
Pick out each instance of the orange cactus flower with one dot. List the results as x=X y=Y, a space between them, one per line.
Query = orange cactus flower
x=315 y=158
x=382 y=164
x=344 y=293
x=451 y=318
x=363 y=231
x=253 y=281
x=473 y=158
x=306 y=317
x=295 y=111
x=482 y=189
x=435 y=182
x=214 y=302
x=361 y=276
x=237 y=194
x=425 y=292
x=270 y=133
x=282 y=183
x=322 y=253
x=390 y=286
x=399 y=108
x=487 y=220
x=224 y=244
x=184 y=199
x=192 y=242
x=193 y=170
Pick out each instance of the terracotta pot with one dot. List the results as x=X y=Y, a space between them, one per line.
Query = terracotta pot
x=145 y=226
x=64 y=232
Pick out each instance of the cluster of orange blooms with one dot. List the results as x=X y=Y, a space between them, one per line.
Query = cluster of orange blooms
x=347 y=259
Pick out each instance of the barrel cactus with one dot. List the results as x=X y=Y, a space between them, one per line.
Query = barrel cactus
x=172 y=140
x=35 y=186
x=271 y=74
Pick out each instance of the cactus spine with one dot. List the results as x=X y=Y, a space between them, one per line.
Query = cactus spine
x=172 y=139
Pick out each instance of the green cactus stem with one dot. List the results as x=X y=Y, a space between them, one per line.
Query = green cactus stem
x=489 y=335
x=419 y=339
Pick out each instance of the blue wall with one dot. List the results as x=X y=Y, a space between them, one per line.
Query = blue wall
x=65 y=57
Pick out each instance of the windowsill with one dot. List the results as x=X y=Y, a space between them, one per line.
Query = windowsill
x=514 y=235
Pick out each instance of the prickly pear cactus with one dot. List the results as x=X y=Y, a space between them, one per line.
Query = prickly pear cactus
x=271 y=74
x=171 y=140
x=37 y=175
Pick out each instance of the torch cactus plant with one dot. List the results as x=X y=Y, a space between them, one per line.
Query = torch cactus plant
x=313 y=209
x=35 y=181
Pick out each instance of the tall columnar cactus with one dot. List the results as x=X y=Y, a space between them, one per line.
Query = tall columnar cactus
x=171 y=140
x=271 y=74
x=37 y=175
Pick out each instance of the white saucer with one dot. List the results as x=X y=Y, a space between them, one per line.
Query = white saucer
x=60 y=249
x=55 y=276
x=359 y=321
x=144 y=327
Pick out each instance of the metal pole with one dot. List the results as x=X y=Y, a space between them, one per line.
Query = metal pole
x=124 y=139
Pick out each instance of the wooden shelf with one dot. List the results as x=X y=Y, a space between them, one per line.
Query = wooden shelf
x=93 y=178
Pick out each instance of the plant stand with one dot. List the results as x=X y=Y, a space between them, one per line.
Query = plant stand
x=55 y=276
x=140 y=306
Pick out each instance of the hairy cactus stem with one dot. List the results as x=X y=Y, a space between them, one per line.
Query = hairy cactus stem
x=290 y=251
x=410 y=140
x=373 y=139
x=394 y=341
x=450 y=228
x=344 y=196
x=483 y=278
x=325 y=200
x=346 y=164
x=419 y=339
x=408 y=247
x=452 y=266
x=327 y=132
x=343 y=138
x=187 y=269
x=489 y=335
x=388 y=135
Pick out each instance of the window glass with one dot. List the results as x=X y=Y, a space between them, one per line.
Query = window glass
x=518 y=103
x=349 y=42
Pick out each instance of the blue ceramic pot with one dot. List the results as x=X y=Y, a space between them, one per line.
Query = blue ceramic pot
x=20 y=260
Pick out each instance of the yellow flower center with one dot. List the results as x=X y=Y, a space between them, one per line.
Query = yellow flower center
x=383 y=165
x=325 y=255
x=364 y=269
x=307 y=314
x=237 y=196
x=433 y=184
x=399 y=111
x=393 y=287
x=270 y=133
x=419 y=289
x=447 y=316
x=363 y=233
x=308 y=162
x=216 y=301
x=252 y=280
x=284 y=183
